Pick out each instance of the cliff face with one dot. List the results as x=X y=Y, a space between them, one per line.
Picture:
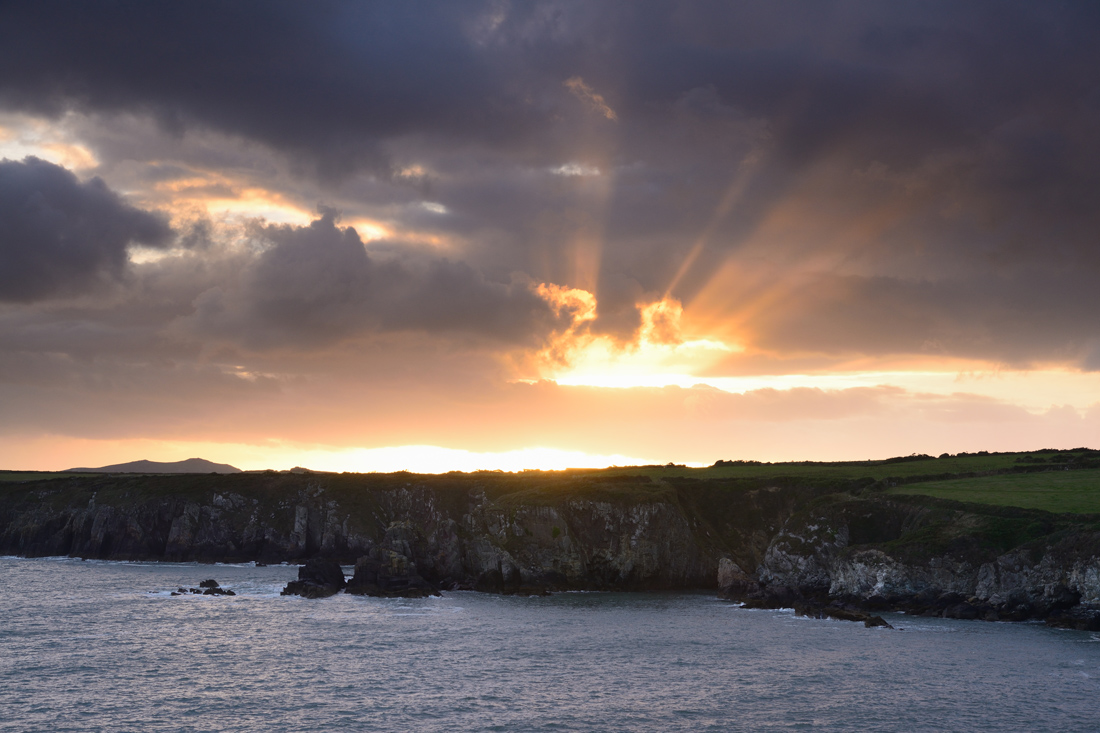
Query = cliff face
x=935 y=558
x=486 y=531
x=769 y=543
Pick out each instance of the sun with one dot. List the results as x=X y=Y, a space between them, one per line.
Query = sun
x=664 y=350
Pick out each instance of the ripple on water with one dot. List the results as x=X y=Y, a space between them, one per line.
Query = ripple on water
x=103 y=646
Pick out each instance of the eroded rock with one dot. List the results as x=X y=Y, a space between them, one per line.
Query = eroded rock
x=932 y=562
x=318 y=578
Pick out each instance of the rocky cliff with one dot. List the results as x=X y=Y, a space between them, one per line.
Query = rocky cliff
x=829 y=549
x=932 y=557
x=490 y=531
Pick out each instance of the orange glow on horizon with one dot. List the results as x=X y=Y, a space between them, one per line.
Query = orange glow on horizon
x=56 y=454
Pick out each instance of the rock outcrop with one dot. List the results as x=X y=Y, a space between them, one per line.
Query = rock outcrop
x=318 y=578
x=208 y=587
x=932 y=558
x=389 y=570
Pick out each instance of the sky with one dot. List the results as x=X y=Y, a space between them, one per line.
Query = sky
x=503 y=235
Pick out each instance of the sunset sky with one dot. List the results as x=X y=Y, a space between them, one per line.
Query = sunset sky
x=434 y=236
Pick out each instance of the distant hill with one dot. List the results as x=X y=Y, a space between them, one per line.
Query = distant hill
x=191 y=465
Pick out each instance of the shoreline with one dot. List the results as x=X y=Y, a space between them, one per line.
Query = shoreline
x=823 y=547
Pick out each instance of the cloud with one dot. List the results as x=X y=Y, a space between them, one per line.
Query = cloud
x=835 y=181
x=325 y=81
x=1018 y=319
x=59 y=236
x=317 y=284
x=586 y=94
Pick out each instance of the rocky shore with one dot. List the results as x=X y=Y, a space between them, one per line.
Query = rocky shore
x=929 y=558
x=827 y=549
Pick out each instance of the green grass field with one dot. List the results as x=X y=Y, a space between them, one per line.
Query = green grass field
x=1053 y=491
x=877 y=470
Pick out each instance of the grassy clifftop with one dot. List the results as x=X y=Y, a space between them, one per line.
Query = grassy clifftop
x=1062 y=491
x=1051 y=480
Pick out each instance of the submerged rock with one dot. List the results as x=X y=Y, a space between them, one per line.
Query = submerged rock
x=813 y=606
x=207 y=587
x=842 y=613
x=318 y=578
x=218 y=592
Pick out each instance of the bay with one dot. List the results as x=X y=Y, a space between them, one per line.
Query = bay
x=100 y=646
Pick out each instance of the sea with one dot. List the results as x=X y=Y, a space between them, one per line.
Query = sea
x=104 y=646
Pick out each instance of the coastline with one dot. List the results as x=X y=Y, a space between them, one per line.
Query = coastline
x=825 y=548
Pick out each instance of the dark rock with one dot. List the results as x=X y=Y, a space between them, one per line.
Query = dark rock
x=528 y=590
x=1080 y=618
x=491 y=581
x=218 y=592
x=385 y=573
x=782 y=596
x=878 y=603
x=206 y=588
x=947 y=600
x=813 y=607
x=390 y=570
x=318 y=578
x=513 y=583
x=1059 y=597
x=322 y=571
x=963 y=611
x=1021 y=612
x=308 y=590
x=841 y=613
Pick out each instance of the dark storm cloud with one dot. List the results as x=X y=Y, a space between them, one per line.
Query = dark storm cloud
x=967 y=133
x=59 y=236
x=334 y=78
x=317 y=284
x=328 y=76
x=326 y=79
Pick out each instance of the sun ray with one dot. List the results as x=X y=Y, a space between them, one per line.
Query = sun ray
x=734 y=192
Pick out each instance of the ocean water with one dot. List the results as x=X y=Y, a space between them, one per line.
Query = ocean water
x=98 y=646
